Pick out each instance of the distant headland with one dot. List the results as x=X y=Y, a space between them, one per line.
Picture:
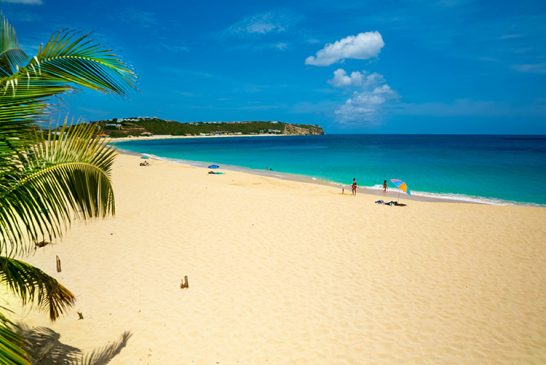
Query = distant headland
x=149 y=126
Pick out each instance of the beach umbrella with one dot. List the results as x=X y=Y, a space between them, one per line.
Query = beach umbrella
x=214 y=167
x=144 y=157
x=402 y=186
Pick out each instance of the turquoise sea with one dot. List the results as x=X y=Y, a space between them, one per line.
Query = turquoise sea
x=497 y=169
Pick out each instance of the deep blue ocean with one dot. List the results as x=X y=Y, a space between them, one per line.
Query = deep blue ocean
x=495 y=168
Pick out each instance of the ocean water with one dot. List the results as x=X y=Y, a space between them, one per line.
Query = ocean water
x=502 y=169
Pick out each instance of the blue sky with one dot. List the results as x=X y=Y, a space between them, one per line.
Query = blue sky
x=439 y=66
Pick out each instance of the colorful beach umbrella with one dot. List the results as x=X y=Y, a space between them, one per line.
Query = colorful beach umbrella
x=214 y=167
x=144 y=157
x=401 y=185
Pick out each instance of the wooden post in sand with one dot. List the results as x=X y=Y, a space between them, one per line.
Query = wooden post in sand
x=58 y=264
x=184 y=283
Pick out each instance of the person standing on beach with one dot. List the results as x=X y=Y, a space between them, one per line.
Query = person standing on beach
x=385 y=186
x=353 y=187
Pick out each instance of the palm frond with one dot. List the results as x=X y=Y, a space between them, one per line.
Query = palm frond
x=32 y=285
x=69 y=57
x=66 y=176
x=66 y=61
x=11 y=55
x=11 y=347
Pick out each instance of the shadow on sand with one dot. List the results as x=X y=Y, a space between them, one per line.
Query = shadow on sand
x=45 y=348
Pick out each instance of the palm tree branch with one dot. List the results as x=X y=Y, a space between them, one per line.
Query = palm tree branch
x=11 y=347
x=11 y=55
x=32 y=285
x=65 y=176
x=45 y=201
x=68 y=57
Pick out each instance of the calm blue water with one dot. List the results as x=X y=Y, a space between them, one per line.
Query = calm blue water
x=510 y=168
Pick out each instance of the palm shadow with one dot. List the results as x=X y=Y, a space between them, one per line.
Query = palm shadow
x=45 y=348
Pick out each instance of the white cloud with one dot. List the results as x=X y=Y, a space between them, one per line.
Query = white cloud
x=361 y=46
x=355 y=79
x=25 y=2
x=272 y=22
x=364 y=106
x=370 y=97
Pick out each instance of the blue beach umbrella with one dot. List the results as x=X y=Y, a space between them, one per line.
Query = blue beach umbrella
x=144 y=157
x=402 y=186
x=214 y=167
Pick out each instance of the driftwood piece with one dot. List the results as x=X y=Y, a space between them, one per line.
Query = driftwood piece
x=184 y=283
x=80 y=315
x=58 y=264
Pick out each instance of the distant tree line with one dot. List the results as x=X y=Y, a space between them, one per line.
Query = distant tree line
x=144 y=126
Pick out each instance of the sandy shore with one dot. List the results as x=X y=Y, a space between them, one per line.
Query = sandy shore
x=285 y=272
x=168 y=136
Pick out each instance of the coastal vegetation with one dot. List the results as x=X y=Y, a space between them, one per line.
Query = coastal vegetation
x=143 y=126
x=48 y=179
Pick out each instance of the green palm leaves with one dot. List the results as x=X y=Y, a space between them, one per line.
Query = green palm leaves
x=66 y=59
x=33 y=285
x=67 y=175
x=46 y=181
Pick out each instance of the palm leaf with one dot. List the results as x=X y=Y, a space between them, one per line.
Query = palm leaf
x=11 y=347
x=11 y=56
x=12 y=113
x=47 y=182
x=32 y=285
x=67 y=60
x=66 y=176
x=69 y=57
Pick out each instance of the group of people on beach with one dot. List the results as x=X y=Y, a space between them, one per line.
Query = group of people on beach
x=354 y=186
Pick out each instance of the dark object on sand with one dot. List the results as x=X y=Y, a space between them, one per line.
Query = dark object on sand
x=58 y=264
x=42 y=243
x=184 y=283
x=391 y=203
x=145 y=163
x=80 y=315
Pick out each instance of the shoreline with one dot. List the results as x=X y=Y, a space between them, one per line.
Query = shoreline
x=391 y=194
x=168 y=136
x=285 y=272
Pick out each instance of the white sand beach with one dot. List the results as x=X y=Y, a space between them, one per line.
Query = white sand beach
x=286 y=272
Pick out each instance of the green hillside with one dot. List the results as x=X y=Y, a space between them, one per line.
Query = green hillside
x=119 y=128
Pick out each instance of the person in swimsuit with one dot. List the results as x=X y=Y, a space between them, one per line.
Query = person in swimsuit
x=385 y=186
x=353 y=187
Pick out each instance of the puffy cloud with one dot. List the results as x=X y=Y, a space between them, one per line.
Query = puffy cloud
x=364 y=106
x=355 y=79
x=369 y=98
x=25 y=2
x=361 y=46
